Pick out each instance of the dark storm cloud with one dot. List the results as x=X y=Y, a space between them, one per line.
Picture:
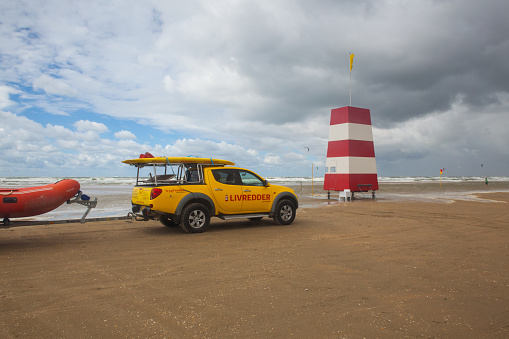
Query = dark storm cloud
x=454 y=50
x=412 y=59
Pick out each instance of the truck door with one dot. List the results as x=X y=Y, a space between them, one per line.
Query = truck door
x=256 y=197
x=227 y=189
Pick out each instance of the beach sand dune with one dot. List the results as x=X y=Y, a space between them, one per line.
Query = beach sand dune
x=341 y=270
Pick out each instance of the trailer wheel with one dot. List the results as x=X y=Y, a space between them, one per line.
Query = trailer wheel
x=195 y=218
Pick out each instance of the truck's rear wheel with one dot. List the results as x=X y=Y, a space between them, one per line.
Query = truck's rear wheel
x=285 y=212
x=195 y=218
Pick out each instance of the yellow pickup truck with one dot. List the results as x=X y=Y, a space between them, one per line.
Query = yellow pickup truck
x=188 y=191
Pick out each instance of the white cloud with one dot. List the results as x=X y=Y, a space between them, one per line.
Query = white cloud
x=5 y=91
x=60 y=133
x=457 y=139
x=55 y=150
x=272 y=159
x=169 y=84
x=208 y=148
x=125 y=135
x=53 y=86
x=90 y=126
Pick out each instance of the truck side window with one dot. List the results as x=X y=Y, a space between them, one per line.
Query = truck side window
x=249 y=179
x=226 y=176
x=192 y=176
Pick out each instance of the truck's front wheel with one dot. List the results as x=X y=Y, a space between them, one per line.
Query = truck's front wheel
x=285 y=212
x=195 y=218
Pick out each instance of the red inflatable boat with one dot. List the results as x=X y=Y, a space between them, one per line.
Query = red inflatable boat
x=29 y=201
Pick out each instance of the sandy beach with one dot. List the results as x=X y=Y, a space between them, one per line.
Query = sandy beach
x=433 y=266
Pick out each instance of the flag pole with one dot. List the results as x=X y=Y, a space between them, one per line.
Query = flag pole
x=312 y=180
x=351 y=65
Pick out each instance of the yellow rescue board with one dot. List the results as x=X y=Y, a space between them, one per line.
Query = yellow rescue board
x=178 y=160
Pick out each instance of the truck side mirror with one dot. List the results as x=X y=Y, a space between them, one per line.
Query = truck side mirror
x=265 y=183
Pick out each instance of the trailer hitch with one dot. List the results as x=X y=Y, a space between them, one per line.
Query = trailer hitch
x=84 y=200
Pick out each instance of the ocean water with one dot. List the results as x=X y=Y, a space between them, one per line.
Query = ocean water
x=113 y=194
x=129 y=181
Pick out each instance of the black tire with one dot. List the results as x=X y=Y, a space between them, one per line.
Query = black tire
x=167 y=221
x=195 y=218
x=285 y=212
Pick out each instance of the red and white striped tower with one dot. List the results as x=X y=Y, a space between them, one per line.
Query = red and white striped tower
x=350 y=151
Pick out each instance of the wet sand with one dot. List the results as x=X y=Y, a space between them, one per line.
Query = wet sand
x=385 y=268
x=115 y=200
x=310 y=196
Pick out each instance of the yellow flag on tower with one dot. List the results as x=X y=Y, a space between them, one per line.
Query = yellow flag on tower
x=351 y=61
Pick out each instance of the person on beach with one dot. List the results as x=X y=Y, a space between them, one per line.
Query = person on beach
x=486 y=181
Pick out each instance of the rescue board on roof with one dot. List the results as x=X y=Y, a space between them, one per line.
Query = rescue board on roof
x=177 y=160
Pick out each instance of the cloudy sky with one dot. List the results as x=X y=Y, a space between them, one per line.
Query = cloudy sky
x=86 y=84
